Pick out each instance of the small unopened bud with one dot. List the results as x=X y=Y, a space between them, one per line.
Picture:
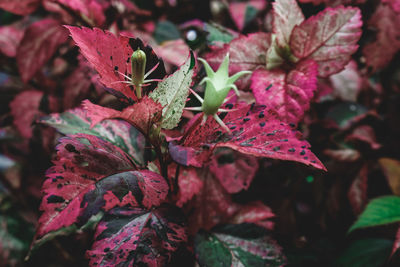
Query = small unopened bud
x=138 y=61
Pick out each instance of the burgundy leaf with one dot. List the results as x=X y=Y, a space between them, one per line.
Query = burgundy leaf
x=387 y=42
x=245 y=53
x=10 y=37
x=91 y=10
x=25 y=109
x=329 y=38
x=77 y=86
x=357 y=193
x=138 y=237
x=394 y=4
x=20 y=7
x=287 y=93
x=287 y=14
x=254 y=132
x=256 y=213
x=91 y=174
x=110 y=56
x=40 y=42
x=143 y=114
x=234 y=170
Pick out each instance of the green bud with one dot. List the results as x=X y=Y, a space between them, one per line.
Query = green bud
x=138 y=61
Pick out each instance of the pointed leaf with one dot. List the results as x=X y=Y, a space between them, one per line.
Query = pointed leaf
x=289 y=94
x=222 y=250
x=234 y=170
x=143 y=114
x=287 y=14
x=137 y=237
x=173 y=91
x=245 y=53
x=391 y=169
x=387 y=43
x=329 y=38
x=254 y=132
x=10 y=37
x=117 y=132
x=110 y=56
x=91 y=174
x=41 y=40
x=22 y=7
x=380 y=211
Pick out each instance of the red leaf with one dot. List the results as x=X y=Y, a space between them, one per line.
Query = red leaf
x=394 y=4
x=234 y=170
x=90 y=10
x=329 y=38
x=110 y=56
x=20 y=7
x=10 y=37
x=380 y=52
x=25 y=109
x=137 y=237
x=245 y=53
x=239 y=11
x=256 y=213
x=143 y=114
x=87 y=172
x=254 y=132
x=357 y=193
x=40 y=42
x=287 y=14
x=287 y=93
x=189 y=185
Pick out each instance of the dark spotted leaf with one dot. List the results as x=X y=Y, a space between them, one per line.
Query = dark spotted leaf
x=117 y=132
x=22 y=7
x=143 y=114
x=138 y=237
x=41 y=40
x=330 y=38
x=234 y=170
x=90 y=175
x=254 y=131
x=287 y=93
x=110 y=56
x=223 y=250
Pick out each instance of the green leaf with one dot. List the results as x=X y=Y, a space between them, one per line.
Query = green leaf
x=369 y=252
x=172 y=93
x=217 y=33
x=117 y=132
x=379 y=211
x=223 y=250
x=165 y=31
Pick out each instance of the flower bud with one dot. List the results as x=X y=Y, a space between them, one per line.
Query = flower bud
x=138 y=61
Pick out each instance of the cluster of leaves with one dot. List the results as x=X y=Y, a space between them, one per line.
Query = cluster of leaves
x=138 y=180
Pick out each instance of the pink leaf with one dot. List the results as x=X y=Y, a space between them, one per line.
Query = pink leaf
x=239 y=11
x=287 y=14
x=245 y=53
x=40 y=42
x=394 y=4
x=380 y=52
x=110 y=56
x=329 y=38
x=87 y=172
x=90 y=10
x=143 y=114
x=287 y=93
x=347 y=83
x=254 y=132
x=10 y=37
x=234 y=170
x=189 y=185
x=25 y=109
x=20 y=7
x=174 y=51
x=137 y=237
